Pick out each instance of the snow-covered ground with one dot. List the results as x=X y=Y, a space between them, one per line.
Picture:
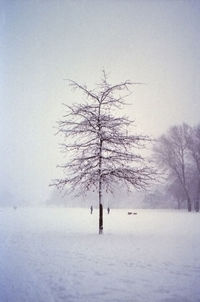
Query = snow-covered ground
x=53 y=255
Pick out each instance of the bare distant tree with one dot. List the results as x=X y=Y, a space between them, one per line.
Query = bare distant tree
x=101 y=151
x=171 y=152
x=192 y=136
x=176 y=190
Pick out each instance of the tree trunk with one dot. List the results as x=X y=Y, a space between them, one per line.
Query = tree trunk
x=189 y=204
x=100 y=208
x=100 y=190
x=178 y=204
x=196 y=206
x=100 y=218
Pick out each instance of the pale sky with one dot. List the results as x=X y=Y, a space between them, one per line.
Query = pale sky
x=43 y=42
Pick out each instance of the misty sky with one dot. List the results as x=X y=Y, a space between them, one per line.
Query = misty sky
x=44 y=42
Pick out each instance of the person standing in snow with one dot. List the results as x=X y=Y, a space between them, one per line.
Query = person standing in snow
x=91 y=209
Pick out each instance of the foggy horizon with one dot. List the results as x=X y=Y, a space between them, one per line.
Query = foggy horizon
x=43 y=43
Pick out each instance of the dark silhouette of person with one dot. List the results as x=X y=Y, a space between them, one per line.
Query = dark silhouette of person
x=91 y=209
x=108 y=210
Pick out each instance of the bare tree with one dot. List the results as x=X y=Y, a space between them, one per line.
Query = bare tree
x=192 y=136
x=101 y=150
x=176 y=190
x=171 y=152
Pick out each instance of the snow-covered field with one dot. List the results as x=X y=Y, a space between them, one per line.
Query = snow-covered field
x=53 y=255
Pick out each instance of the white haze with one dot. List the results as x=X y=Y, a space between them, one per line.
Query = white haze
x=45 y=42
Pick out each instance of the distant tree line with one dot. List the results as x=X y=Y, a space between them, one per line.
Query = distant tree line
x=177 y=154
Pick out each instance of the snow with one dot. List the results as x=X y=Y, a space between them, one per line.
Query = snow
x=53 y=255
